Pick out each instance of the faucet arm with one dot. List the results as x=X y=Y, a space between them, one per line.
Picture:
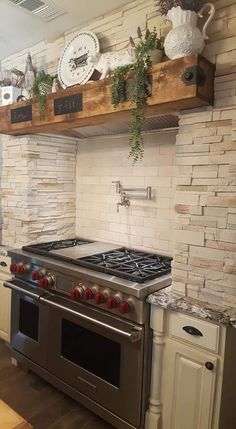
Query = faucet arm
x=118 y=186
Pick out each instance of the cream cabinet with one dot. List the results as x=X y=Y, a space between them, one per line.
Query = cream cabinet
x=189 y=387
x=193 y=373
x=5 y=299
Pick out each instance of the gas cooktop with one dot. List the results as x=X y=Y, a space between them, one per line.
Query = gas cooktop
x=121 y=262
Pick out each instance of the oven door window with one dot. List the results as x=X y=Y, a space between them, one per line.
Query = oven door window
x=29 y=319
x=91 y=351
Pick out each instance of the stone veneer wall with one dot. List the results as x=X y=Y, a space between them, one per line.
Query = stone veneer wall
x=145 y=224
x=205 y=231
x=204 y=238
x=38 y=189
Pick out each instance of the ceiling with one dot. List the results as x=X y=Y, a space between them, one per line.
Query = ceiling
x=20 y=29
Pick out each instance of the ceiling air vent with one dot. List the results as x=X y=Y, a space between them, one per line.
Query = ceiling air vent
x=41 y=9
x=32 y=5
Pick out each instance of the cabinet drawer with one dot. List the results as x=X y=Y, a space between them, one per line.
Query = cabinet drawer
x=5 y=268
x=195 y=331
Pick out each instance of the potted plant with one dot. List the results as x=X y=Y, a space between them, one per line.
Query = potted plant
x=42 y=86
x=151 y=44
x=185 y=38
x=148 y=48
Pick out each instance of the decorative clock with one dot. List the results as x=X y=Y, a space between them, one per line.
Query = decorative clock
x=74 y=67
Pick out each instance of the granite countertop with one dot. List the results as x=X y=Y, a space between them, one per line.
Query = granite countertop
x=167 y=299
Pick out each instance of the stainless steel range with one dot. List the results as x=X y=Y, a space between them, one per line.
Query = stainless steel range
x=80 y=320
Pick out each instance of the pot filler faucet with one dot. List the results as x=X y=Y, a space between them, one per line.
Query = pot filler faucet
x=128 y=193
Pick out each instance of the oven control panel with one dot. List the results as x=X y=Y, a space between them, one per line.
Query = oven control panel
x=40 y=276
x=99 y=296
x=108 y=299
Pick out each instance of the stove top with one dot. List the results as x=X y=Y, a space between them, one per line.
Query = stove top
x=133 y=265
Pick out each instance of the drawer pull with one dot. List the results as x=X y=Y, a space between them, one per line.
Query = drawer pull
x=192 y=331
x=3 y=264
x=209 y=366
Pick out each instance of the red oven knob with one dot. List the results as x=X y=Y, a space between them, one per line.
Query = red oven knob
x=46 y=281
x=43 y=283
x=124 y=307
x=100 y=298
x=35 y=275
x=20 y=269
x=112 y=303
x=13 y=268
x=88 y=294
x=75 y=293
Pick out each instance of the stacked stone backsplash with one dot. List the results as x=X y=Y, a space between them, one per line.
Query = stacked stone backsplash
x=145 y=224
x=203 y=241
x=205 y=231
x=38 y=189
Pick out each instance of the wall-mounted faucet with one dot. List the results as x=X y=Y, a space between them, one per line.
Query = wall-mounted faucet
x=125 y=202
x=127 y=193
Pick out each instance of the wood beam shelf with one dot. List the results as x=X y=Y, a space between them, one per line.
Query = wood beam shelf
x=177 y=85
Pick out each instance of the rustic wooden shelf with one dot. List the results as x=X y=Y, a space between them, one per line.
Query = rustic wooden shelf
x=180 y=84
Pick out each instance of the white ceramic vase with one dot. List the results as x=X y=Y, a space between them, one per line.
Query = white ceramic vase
x=186 y=38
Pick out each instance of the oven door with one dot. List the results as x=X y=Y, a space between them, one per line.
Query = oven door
x=99 y=355
x=29 y=322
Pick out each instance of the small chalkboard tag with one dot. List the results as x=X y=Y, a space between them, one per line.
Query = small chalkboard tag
x=21 y=114
x=69 y=104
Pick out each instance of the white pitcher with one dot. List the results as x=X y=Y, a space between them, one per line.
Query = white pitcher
x=186 y=38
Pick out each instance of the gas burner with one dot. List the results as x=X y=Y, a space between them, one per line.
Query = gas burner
x=113 y=258
x=44 y=248
x=128 y=264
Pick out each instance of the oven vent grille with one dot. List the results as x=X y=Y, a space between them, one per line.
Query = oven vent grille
x=41 y=9
x=114 y=129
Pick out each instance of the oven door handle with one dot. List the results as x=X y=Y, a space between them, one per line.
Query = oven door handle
x=133 y=336
x=16 y=288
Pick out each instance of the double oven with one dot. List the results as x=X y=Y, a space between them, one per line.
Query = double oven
x=99 y=359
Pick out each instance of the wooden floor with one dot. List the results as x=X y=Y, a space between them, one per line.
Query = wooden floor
x=38 y=402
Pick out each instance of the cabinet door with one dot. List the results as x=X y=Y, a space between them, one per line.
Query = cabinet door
x=188 y=389
x=5 y=309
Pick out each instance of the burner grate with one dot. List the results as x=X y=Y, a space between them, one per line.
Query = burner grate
x=128 y=264
x=44 y=248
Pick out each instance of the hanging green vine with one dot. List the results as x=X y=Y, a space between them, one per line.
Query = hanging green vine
x=139 y=96
x=140 y=87
x=118 y=91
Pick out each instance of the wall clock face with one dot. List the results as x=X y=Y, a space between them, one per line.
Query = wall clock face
x=74 y=68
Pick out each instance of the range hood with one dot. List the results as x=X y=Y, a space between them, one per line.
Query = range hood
x=86 y=111
x=122 y=128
